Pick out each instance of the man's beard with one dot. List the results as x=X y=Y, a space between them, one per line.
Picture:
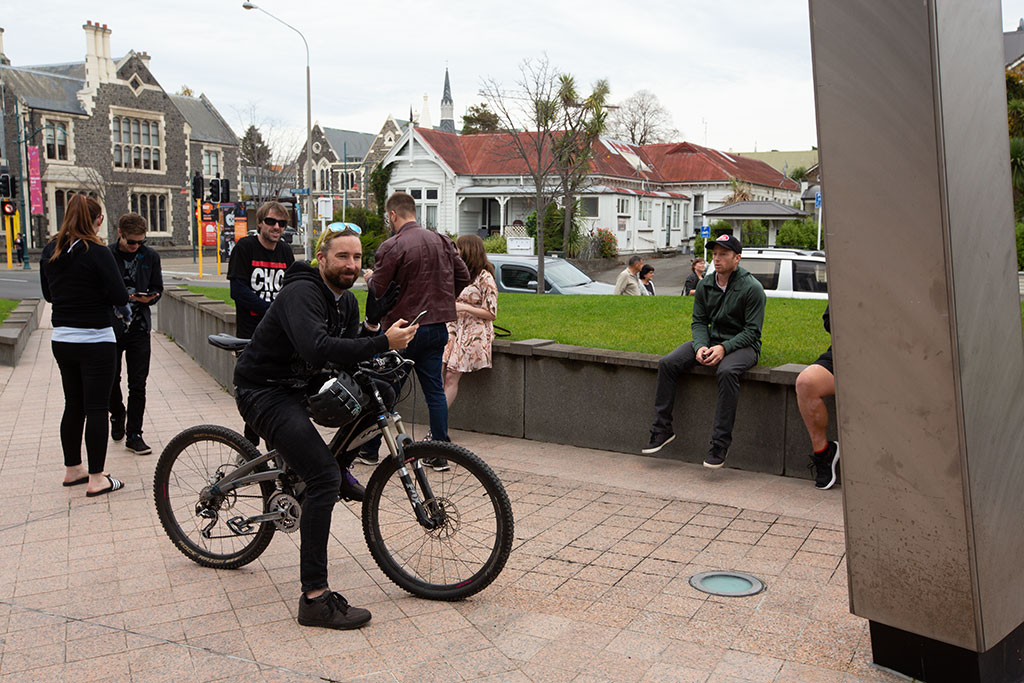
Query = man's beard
x=341 y=279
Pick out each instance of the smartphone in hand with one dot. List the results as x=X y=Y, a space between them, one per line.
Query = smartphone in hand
x=418 y=317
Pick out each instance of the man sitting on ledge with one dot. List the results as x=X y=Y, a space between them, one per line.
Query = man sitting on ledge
x=728 y=312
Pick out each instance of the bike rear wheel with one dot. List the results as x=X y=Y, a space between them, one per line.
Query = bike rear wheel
x=192 y=461
x=466 y=552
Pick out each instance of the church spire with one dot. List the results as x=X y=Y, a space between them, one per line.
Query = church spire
x=447 y=106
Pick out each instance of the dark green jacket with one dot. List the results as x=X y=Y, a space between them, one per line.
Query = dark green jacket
x=732 y=318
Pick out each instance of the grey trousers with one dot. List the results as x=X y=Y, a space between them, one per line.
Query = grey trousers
x=728 y=373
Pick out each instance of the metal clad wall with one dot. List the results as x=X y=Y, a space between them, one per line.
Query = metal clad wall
x=903 y=491
x=987 y=303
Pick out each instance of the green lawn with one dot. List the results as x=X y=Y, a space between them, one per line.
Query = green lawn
x=792 y=329
x=6 y=306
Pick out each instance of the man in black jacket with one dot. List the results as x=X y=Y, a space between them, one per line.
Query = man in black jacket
x=314 y=320
x=140 y=269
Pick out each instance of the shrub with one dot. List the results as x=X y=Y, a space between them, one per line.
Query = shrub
x=1020 y=246
x=496 y=244
x=755 y=234
x=794 y=233
x=370 y=242
x=698 y=247
x=608 y=245
x=720 y=228
x=368 y=220
x=553 y=218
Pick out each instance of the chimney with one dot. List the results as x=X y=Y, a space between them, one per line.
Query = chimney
x=425 y=114
x=144 y=56
x=93 y=77
x=3 y=57
x=107 y=63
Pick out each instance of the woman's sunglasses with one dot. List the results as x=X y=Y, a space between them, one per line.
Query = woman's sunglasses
x=283 y=222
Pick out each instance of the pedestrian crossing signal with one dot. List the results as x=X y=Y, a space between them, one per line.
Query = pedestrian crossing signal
x=5 y=185
x=9 y=208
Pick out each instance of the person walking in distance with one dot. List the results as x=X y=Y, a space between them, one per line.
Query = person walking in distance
x=79 y=278
x=471 y=335
x=429 y=273
x=728 y=312
x=647 y=280
x=256 y=273
x=140 y=270
x=697 y=268
x=628 y=281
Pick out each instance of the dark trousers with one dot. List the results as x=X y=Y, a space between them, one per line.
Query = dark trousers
x=727 y=372
x=135 y=345
x=86 y=373
x=427 y=350
x=280 y=417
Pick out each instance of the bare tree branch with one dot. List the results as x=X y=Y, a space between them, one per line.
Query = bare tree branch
x=640 y=120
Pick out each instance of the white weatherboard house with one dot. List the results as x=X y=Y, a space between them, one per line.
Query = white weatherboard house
x=651 y=196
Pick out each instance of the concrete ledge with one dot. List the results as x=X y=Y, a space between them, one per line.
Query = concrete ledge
x=15 y=330
x=573 y=395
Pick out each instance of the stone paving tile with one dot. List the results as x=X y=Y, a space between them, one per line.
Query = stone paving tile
x=596 y=587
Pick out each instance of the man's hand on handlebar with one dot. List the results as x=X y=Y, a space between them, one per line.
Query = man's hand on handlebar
x=399 y=335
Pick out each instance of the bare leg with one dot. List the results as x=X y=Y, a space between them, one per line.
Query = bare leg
x=451 y=384
x=812 y=386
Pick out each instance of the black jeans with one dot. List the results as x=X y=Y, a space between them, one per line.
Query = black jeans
x=86 y=373
x=279 y=415
x=728 y=373
x=135 y=345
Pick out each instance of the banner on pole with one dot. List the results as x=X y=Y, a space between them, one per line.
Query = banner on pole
x=209 y=224
x=35 y=182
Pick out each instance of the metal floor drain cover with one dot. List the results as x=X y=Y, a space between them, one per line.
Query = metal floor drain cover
x=729 y=584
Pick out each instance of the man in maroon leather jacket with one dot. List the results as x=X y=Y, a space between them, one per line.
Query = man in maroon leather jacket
x=430 y=274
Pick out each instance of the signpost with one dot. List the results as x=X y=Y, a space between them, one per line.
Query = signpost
x=817 y=205
x=705 y=231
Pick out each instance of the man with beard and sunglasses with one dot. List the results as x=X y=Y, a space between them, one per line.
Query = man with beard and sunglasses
x=256 y=271
x=314 y=321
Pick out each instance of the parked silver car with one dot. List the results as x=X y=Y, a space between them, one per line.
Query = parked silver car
x=519 y=274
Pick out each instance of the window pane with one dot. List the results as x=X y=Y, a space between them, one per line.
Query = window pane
x=135 y=203
x=431 y=194
x=765 y=271
x=154 y=132
x=144 y=206
x=156 y=160
x=58 y=201
x=431 y=217
x=588 y=206
x=135 y=131
x=416 y=194
x=162 y=217
x=146 y=158
x=117 y=156
x=145 y=132
x=137 y=157
x=117 y=129
x=809 y=276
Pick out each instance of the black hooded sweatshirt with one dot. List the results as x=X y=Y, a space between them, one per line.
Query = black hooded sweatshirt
x=305 y=328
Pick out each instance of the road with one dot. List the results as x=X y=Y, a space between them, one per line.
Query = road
x=19 y=284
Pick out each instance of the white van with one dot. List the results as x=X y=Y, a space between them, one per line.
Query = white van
x=788 y=273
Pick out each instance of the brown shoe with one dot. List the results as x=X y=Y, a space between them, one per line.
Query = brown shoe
x=331 y=610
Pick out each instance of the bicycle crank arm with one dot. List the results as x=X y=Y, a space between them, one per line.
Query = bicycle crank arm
x=244 y=525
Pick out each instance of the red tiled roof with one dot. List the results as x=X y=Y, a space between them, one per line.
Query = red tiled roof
x=495 y=154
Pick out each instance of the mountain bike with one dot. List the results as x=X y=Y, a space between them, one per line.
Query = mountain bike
x=438 y=535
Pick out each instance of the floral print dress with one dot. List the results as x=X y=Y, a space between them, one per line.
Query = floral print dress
x=469 y=337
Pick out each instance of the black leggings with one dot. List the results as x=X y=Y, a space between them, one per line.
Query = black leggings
x=87 y=374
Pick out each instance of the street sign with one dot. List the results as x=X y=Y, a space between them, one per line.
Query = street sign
x=325 y=207
x=705 y=231
x=299 y=190
x=817 y=200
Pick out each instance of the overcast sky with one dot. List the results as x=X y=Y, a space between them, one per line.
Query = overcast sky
x=734 y=74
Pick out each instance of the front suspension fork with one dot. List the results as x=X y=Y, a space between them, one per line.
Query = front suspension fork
x=428 y=512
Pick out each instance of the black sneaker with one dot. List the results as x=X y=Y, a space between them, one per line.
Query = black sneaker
x=438 y=464
x=351 y=489
x=826 y=467
x=331 y=610
x=658 y=441
x=116 y=428
x=715 y=458
x=367 y=458
x=136 y=445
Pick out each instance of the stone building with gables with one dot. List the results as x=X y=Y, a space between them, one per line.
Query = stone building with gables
x=107 y=127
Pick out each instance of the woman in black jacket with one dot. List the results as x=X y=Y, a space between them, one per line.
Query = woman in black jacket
x=80 y=279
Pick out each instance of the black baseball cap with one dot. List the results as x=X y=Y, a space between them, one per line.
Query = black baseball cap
x=727 y=241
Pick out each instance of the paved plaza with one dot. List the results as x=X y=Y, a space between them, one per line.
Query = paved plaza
x=595 y=589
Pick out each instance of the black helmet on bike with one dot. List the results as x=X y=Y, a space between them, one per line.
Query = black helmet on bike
x=338 y=402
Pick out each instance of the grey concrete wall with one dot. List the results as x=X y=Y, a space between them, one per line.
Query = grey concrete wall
x=14 y=331
x=593 y=398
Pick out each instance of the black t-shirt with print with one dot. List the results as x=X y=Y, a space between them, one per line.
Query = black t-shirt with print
x=261 y=270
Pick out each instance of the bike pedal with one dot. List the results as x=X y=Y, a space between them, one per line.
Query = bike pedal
x=239 y=525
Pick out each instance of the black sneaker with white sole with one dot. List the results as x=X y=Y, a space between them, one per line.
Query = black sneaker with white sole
x=437 y=464
x=715 y=457
x=116 y=428
x=331 y=610
x=826 y=466
x=658 y=441
x=136 y=445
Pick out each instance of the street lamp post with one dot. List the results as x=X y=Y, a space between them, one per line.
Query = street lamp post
x=309 y=131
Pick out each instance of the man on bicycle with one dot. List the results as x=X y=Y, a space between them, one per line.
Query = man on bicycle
x=313 y=321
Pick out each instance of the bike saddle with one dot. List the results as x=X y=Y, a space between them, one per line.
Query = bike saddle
x=227 y=342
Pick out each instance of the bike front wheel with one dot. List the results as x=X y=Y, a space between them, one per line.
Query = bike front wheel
x=466 y=544
x=209 y=533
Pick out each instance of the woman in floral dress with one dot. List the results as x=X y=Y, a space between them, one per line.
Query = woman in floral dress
x=471 y=335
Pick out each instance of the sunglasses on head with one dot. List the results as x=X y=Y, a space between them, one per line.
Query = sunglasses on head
x=341 y=227
x=134 y=242
x=283 y=222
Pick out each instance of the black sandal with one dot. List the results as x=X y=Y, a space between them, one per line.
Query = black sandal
x=115 y=485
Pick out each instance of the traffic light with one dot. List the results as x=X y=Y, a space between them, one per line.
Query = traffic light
x=225 y=190
x=9 y=208
x=5 y=185
x=215 y=190
x=197 y=185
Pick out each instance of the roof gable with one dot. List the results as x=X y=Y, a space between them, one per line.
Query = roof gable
x=205 y=121
x=48 y=90
x=352 y=143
